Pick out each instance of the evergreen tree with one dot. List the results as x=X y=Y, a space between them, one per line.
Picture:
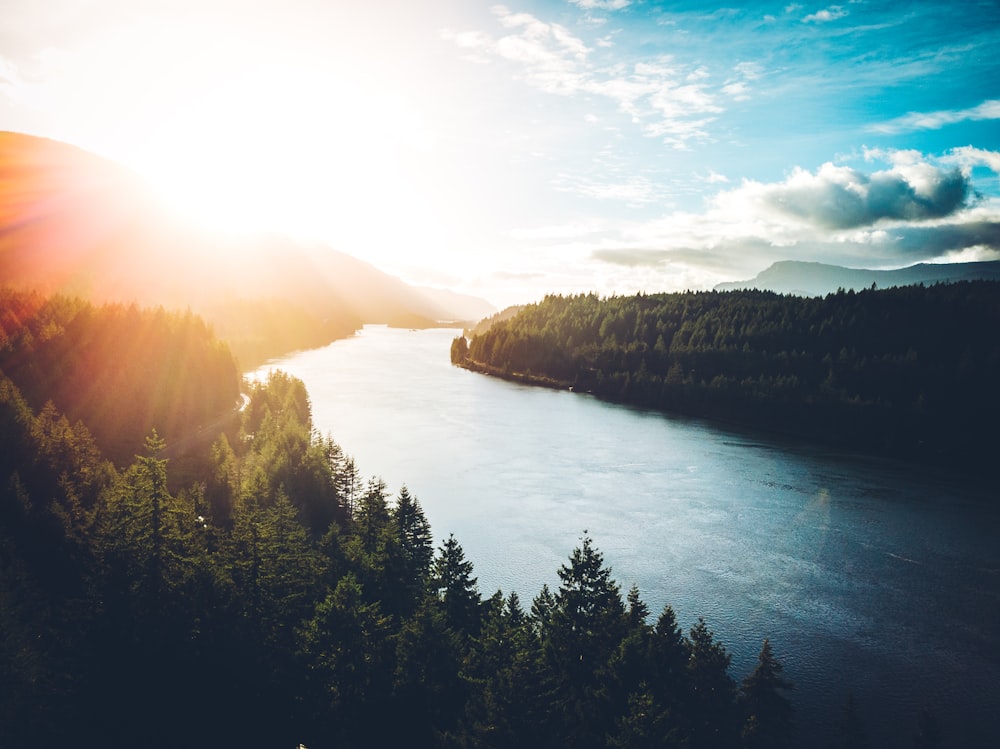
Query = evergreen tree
x=712 y=690
x=145 y=535
x=542 y=607
x=637 y=609
x=587 y=623
x=767 y=712
x=645 y=725
x=507 y=705
x=346 y=646
x=456 y=588
x=416 y=546
x=429 y=688
x=275 y=568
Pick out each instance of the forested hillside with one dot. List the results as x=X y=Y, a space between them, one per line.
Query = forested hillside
x=908 y=371
x=121 y=370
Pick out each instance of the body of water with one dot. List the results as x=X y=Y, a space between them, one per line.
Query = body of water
x=867 y=576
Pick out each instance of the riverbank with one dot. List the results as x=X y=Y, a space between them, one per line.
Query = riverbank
x=848 y=565
x=524 y=378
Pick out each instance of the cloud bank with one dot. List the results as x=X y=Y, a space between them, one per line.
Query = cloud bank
x=839 y=197
x=919 y=209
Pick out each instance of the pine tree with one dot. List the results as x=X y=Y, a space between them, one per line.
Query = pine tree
x=712 y=690
x=637 y=609
x=587 y=624
x=275 y=568
x=456 y=588
x=346 y=644
x=589 y=614
x=506 y=705
x=767 y=713
x=429 y=687
x=416 y=546
x=139 y=535
x=645 y=725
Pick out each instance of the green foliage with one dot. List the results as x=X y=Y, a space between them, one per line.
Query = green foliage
x=907 y=371
x=459 y=350
x=260 y=329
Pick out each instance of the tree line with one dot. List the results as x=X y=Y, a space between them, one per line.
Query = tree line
x=120 y=369
x=272 y=597
x=906 y=371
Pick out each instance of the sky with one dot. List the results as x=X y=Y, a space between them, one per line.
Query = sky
x=540 y=146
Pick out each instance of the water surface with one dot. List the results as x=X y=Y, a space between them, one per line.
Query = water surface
x=867 y=576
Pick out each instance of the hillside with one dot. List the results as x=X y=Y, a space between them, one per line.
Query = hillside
x=819 y=279
x=73 y=223
x=122 y=370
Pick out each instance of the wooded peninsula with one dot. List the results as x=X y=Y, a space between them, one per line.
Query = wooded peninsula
x=909 y=372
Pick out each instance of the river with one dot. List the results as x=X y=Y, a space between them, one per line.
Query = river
x=868 y=576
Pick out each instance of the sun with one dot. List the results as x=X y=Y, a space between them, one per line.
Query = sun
x=247 y=155
x=277 y=150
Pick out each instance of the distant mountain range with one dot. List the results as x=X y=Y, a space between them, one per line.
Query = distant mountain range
x=818 y=279
x=74 y=223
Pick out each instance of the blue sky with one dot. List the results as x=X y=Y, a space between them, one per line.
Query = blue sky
x=540 y=146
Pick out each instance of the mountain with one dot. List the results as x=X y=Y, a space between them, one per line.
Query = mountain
x=74 y=223
x=461 y=306
x=819 y=279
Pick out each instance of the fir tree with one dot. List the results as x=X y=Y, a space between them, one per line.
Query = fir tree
x=767 y=712
x=456 y=588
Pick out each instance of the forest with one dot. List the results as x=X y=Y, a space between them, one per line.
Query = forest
x=269 y=596
x=909 y=372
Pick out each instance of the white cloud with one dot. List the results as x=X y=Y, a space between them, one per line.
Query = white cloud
x=738 y=91
x=634 y=191
x=838 y=197
x=968 y=156
x=914 y=121
x=469 y=39
x=825 y=16
x=750 y=71
x=602 y=4
x=666 y=100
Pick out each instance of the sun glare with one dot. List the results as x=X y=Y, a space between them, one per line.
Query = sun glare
x=241 y=131
x=311 y=159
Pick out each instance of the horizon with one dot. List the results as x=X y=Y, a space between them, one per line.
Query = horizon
x=509 y=151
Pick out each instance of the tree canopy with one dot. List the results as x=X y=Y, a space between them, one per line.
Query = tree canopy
x=906 y=371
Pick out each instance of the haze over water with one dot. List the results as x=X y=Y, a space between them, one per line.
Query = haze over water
x=866 y=575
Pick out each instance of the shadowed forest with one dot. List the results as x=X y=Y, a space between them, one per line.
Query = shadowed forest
x=909 y=372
